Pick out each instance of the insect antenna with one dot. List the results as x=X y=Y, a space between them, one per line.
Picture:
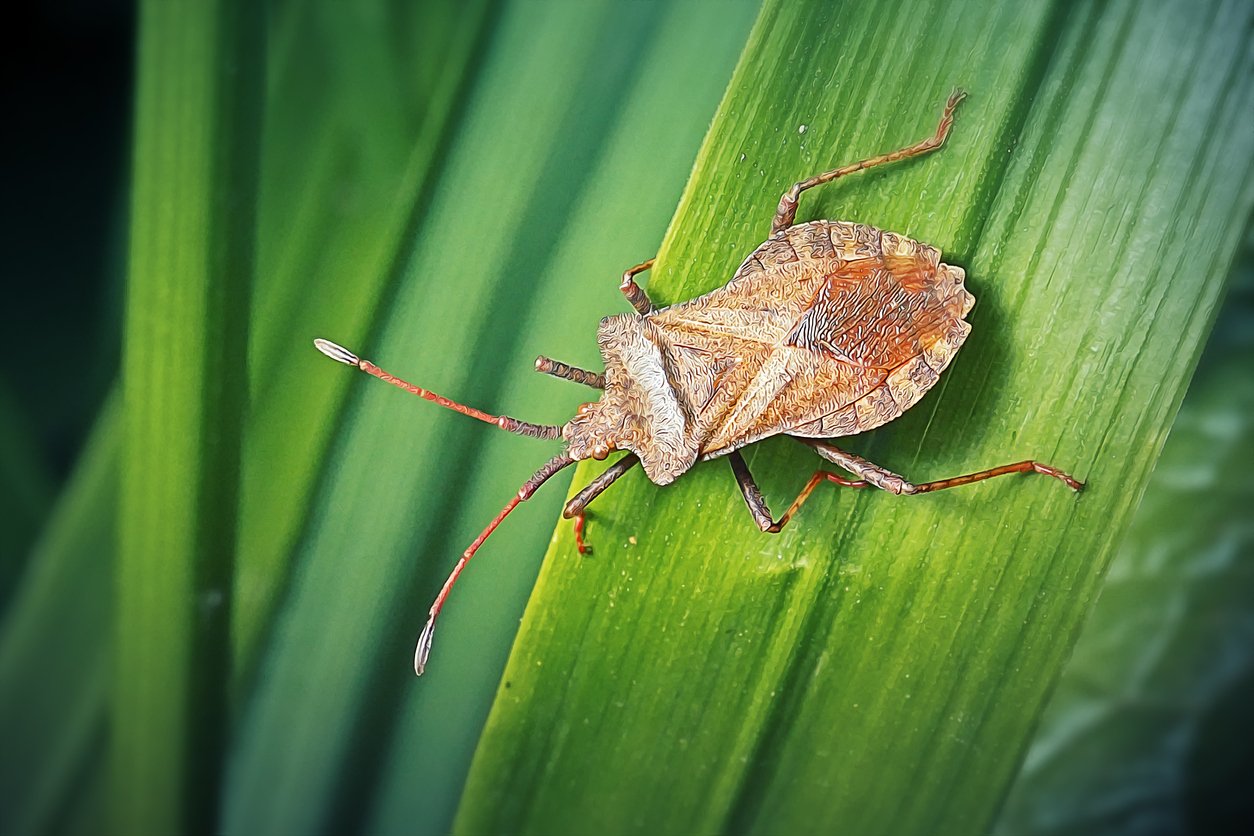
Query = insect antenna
x=529 y=487
x=513 y=425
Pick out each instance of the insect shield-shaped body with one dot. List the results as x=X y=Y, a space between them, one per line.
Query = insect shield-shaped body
x=827 y=329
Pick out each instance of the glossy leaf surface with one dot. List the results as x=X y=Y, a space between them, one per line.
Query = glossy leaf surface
x=880 y=665
x=1149 y=727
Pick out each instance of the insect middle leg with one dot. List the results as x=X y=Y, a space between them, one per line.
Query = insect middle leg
x=757 y=503
x=787 y=211
x=635 y=295
x=579 y=502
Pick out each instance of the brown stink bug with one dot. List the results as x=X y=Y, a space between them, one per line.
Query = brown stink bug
x=827 y=329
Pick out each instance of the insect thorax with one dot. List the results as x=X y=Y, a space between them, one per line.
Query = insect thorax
x=639 y=410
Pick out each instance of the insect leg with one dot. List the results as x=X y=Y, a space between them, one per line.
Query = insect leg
x=637 y=297
x=787 y=211
x=889 y=481
x=873 y=474
x=513 y=425
x=1017 y=467
x=757 y=504
x=575 y=507
x=546 y=365
x=529 y=487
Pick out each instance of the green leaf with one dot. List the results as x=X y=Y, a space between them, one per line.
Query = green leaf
x=571 y=151
x=26 y=491
x=54 y=643
x=343 y=166
x=451 y=223
x=881 y=665
x=197 y=137
x=1149 y=727
x=361 y=99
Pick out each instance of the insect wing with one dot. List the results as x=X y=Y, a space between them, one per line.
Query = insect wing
x=826 y=330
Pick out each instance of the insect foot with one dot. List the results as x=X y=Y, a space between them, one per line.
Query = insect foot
x=827 y=329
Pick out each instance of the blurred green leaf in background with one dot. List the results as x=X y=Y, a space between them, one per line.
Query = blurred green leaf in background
x=208 y=619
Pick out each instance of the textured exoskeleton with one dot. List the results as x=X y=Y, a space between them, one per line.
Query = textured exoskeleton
x=826 y=330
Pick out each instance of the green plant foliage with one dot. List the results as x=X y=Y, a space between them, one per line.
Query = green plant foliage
x=451 y=188
x=1149 y=728
x=880 y=666
x=565 y=166
x=184 y=387
x=54 y=643
x=362 y=96
x=355 y=137
x=26 y=490
x=345 y=153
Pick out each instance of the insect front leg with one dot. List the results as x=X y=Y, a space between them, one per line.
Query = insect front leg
x=579 y=502
x=635 y=295
x=757 y=503
x=787 y=211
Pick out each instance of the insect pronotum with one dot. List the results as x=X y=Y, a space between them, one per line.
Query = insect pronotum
x=827 y=329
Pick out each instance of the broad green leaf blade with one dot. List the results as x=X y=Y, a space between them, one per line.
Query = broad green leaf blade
x=389 y=521
x=322 y=264
x=54 y=644
x=1150 y=722
x=881 y=664
x=197 y=135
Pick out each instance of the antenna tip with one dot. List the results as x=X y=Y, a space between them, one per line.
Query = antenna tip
x=424 y=647
x=336 y=352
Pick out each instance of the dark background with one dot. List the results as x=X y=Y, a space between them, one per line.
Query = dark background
x=67 y=78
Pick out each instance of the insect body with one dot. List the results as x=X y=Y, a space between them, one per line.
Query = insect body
x=827 y=329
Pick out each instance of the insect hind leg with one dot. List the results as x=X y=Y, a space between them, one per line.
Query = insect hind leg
x=871 y=475
x=787 y=211
x=891 y=482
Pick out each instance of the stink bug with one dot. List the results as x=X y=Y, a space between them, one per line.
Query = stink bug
x=827 y=329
